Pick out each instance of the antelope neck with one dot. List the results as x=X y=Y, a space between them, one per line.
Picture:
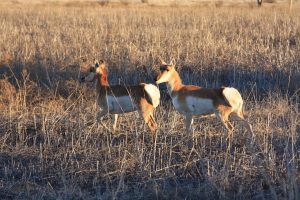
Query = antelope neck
x=175 y=84
x=102 y=80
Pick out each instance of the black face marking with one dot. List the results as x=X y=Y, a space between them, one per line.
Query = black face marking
x=92 y=69
x=164 y=68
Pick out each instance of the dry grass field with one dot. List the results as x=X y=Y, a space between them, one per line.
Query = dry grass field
x=52 y=148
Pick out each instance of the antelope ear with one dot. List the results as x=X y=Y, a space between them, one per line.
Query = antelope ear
x=102 y=65
x=173 y=62
x=162 y=61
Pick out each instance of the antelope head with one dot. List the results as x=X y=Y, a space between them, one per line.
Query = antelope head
x=166 y=72
x=98 y=69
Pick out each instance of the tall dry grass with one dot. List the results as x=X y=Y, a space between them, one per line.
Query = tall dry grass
x=52 y=147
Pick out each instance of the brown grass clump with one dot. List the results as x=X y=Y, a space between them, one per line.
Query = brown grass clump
x=52 y=148
x=8 y=93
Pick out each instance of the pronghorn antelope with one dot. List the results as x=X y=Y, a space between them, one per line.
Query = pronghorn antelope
x=118 y=99
x=191 y=100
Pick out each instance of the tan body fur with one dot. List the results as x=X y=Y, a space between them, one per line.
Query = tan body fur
x=191 y=100
x=118 y=99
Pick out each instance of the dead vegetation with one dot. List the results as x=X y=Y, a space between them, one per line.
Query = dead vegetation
x=51 y=147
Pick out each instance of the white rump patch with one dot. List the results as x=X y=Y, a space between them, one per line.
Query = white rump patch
x=232 y=96
x=154 y=94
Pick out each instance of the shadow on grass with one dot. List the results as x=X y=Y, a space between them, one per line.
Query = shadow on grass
x=61 y=78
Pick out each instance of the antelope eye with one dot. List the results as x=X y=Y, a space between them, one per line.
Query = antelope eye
x=161 y=69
